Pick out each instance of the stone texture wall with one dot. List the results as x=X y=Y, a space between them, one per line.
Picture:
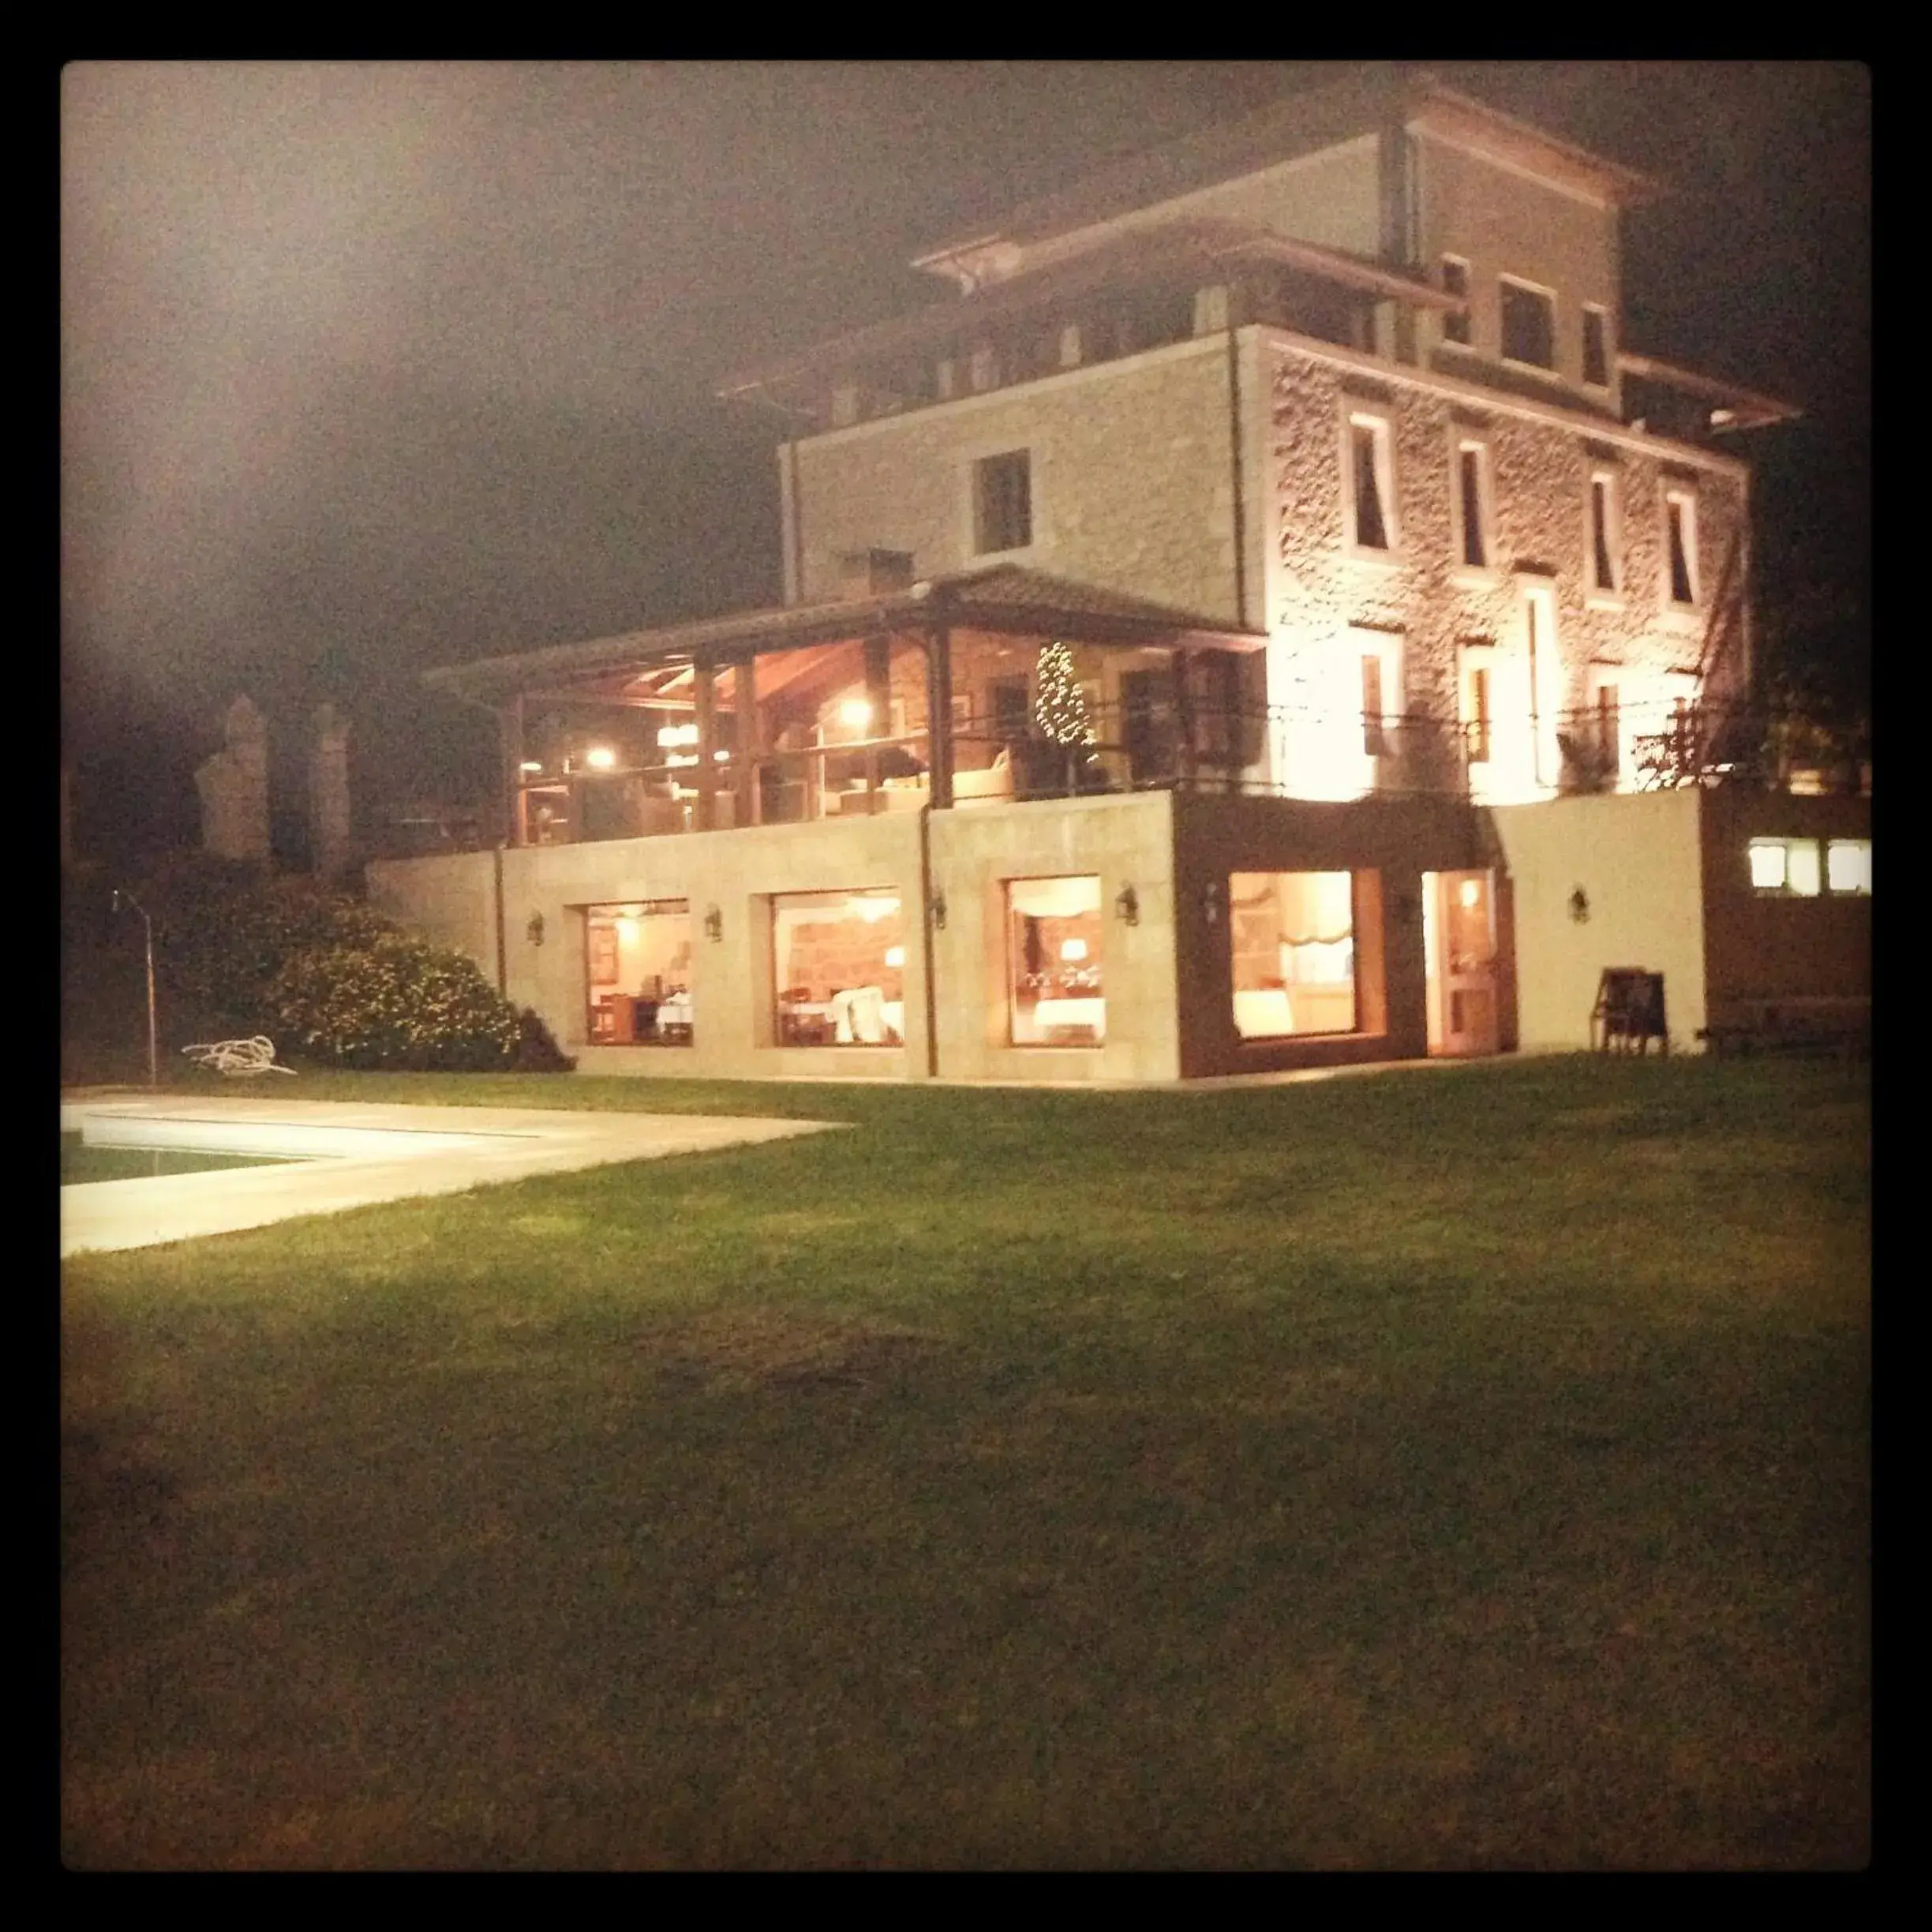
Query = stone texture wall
x=1541 y=472
x=1132 y=484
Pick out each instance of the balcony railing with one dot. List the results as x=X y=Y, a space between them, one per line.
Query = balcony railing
x=1276 y=751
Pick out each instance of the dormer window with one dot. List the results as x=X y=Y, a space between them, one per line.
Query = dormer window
x=1529 y=325
x=1455 y=281
x=1597 y=347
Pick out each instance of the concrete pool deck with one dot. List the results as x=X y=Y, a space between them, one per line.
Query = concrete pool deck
x=347 y=1154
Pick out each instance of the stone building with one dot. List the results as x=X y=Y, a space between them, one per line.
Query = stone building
x=1267 y=616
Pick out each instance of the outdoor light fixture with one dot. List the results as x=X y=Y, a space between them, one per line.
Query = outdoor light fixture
x=714 y=924
x=856 y=712
x=1128 y=904
x=154 y=1071
x=937 y=908
x=1468 y=892
x=533 y=931
x=600 y=758
x=1210 y=902
x=1579 y=906
x=529 y=765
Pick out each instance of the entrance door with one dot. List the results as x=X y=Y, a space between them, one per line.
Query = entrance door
x=1460 y=938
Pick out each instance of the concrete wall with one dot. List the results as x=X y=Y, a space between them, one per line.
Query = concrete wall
x=1131 y=480
x=1123 y=839
x=1398 y=839
x=1763 y=946
x=1638 y=861
x=451 y=899
x=1541 y=468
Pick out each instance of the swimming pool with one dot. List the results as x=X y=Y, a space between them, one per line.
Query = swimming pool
x=82 y=1163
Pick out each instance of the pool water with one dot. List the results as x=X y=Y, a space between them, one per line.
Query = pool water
x=80 y=1164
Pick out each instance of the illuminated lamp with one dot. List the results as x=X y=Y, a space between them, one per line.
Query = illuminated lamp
x=600 y=758
x=677 y=735
x=856 y=712
x=1468 y=892
x=529 y=765
x=1072 y=950
x=895 y=955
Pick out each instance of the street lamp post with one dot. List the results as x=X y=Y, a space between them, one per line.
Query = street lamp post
x=154 y=1070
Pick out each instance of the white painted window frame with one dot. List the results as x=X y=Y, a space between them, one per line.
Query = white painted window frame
x=1596 y=596
x=1685 y=495
x=1380 y=422
x=1462 y=441
x=1386 y=648
x=971 y=457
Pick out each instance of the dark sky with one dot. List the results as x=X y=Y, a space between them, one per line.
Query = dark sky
x=371 y=367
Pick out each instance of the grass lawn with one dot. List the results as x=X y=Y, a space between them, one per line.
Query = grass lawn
x=1457 y=1467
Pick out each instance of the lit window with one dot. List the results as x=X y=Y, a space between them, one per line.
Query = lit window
x=1455 y=279
x=1529 y=325
x=1475 y=718
x=638 y=967
x=837 y=968
x=1374 y=737
x=1055 y=988
x=1292 y=939
x=1605 y=533
x=1786 y=866
x=1003 y=502
x=1371 y=499
x=1680 y=518
x=1848 y=866
x=1596 y=348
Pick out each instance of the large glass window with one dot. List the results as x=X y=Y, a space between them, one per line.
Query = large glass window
x=1056 y=992
x=637 y=960
x=1848 y=866
x=1785 y=866
x=838 y=966
x=1293 y=936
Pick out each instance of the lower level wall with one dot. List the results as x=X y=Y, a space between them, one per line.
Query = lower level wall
x=1598 y=882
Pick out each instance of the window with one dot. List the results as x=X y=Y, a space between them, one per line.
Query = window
x=1609 y=737
x=1606 y=534
x=1455 y=280
x=1374 y=738
x=1055 y=994
x=1529 y=325
x=1472 y=504
x=1786 y=867
x=1371 y=498
x=838 y=969
x=637 y=964
x=1003 y=502
x=1848 y=866
x=1476 y=713
x=1292 y=942
x=1680 y=521
x=1597 y=347
x=1380 y=653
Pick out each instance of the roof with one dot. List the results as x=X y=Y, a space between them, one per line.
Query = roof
x=1145 y=254
x=1738 y=407
x=1355 y=103
x=1004 y=597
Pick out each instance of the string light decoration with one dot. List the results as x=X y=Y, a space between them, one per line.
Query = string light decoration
x=1060 y=707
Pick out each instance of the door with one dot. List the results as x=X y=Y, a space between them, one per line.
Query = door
x=1460 y=940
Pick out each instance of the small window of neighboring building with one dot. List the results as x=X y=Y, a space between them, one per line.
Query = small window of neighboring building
x=1597 y=347
x=1003 y=502
x=1680 y=518
x=1848 y=866
x=1455 y=280
x=1529 y=325
x=1472 y=504
x=1606 y=534
x=1056 y=987
x=1371 y=495
x=1787 y=866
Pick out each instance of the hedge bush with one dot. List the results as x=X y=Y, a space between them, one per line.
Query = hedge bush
x=396 y=1002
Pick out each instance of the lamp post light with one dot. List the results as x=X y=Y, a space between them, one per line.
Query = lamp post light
x=154 y=1069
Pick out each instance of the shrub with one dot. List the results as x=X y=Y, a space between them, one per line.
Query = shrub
x=396 y=1002
x=538 y=1051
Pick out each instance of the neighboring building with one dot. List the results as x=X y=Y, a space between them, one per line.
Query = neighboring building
x=1248 y=627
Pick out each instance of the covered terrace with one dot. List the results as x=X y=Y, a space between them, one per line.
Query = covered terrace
x=944 y=692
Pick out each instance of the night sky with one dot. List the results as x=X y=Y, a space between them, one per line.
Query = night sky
x=367 y=369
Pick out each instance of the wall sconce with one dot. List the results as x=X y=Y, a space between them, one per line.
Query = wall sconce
x=1210 y=902
x=1128 y=904
x=714 y=924
x=938 y=911
x=534 y=930
x=1579 y=907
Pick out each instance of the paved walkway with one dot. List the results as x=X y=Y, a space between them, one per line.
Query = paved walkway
x=352 y=1155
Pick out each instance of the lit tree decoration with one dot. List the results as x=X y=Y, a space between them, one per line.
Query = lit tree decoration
x=1061 y=707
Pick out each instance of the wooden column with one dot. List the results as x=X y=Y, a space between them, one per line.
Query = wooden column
x=510 y=737
x=1184 y=717
x=939 y=717
x=746 y=746
x=704 y=688
x=878 y=695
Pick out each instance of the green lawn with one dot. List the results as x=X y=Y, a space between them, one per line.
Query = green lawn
x=1457 y=1467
